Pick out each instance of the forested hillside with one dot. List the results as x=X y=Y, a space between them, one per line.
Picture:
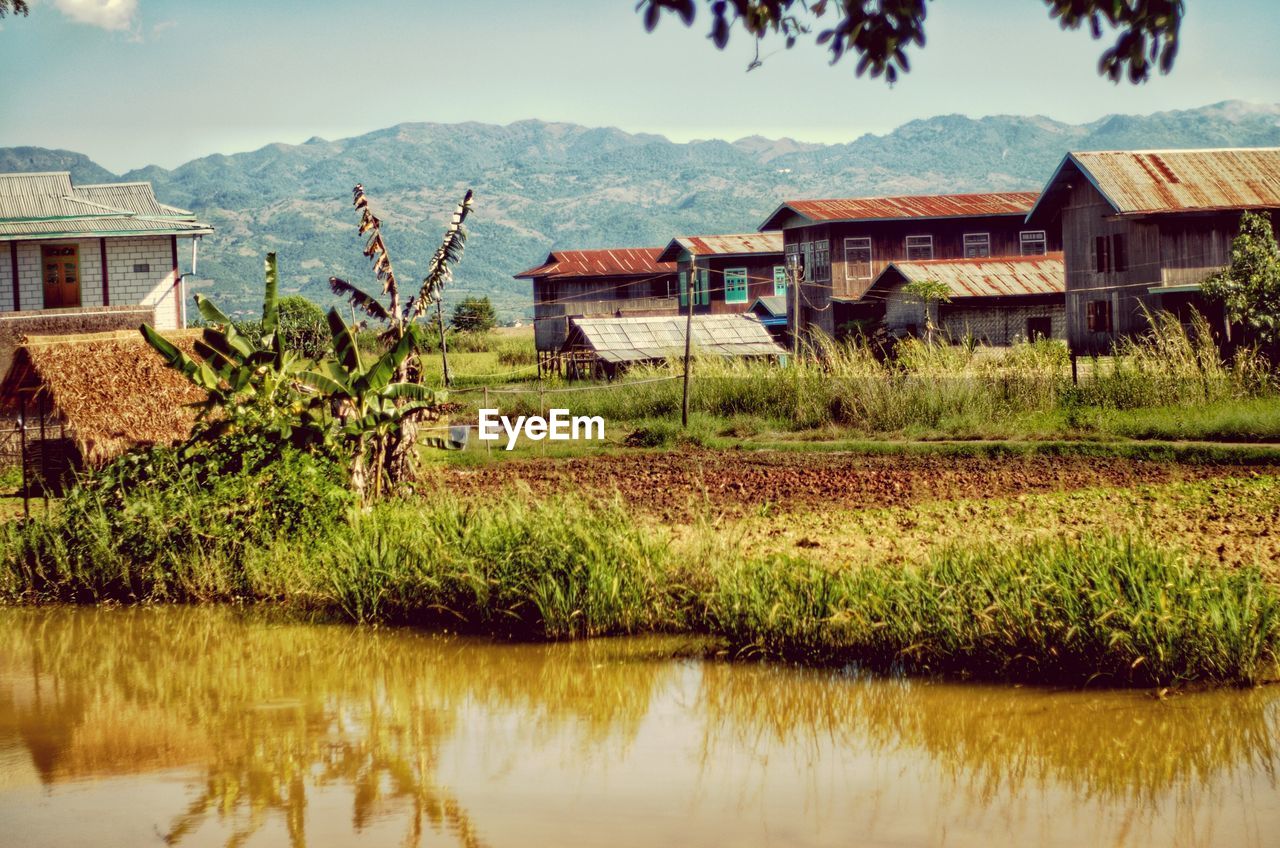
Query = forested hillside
x=542 y=184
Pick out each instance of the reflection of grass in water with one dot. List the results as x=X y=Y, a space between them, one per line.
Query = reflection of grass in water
x=1118 y=747
x=265 y=709
x=268 y=709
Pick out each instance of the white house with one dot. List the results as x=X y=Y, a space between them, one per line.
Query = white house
x=86 y=258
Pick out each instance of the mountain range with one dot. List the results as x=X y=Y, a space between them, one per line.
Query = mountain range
x=540 y=185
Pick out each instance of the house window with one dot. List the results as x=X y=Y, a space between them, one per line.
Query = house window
x=977 y=245
x=1033 y=243
x=919 y=248
x=704 y=287
x=821 y=261
x=1119 y=253
x=1039 y=328
x=857 y=259
x=779 y=279
x=142 y=268
x=684 y=288
x=61 y=269
x=1110 y=253
x=735 y=285
x=794 y=253
x=1097 y=315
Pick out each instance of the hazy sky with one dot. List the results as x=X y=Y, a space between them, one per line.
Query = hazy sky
x=135 y=82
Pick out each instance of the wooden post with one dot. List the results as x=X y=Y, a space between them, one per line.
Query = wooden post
x=488 y=447
x=689 y=288
x=793 y=276
x=1075 y=377
x=22 y=437
x=44 y=458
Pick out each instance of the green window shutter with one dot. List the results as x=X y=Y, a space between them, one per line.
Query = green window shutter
x=704 y=288
x=735 y=285
x=684 y=288
x=779 y=279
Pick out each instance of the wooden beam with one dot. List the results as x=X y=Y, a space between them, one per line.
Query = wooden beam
x=106 y=295
x=13 y=264
x=177 y=280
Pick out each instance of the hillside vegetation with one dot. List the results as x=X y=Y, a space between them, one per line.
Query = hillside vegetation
x=542 y=184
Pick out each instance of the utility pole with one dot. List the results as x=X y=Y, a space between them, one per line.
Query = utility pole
x=689 y=286
x=793 y=277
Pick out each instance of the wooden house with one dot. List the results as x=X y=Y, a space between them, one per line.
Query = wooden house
x=843 y=245
x=1143 y=229
x=88 y=258
x=579 y=283
x=729 y=272
x=995 y=301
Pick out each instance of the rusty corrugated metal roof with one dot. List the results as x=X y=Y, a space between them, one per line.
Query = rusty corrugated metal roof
x=614 y=262
x=1145 y=182
x=1000 y=276
x=739 y=244
x=915 y=206
x=662 y=337
x=1186 y=180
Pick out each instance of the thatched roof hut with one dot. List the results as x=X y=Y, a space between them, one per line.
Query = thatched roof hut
x=110 y=391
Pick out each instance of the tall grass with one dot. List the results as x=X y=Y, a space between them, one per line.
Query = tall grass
x=1112 y=609
x=925 y=386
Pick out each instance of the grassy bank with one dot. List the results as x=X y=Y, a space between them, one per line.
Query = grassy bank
x=1099 y=608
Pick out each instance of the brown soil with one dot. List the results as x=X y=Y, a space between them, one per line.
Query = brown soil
x=676 y=484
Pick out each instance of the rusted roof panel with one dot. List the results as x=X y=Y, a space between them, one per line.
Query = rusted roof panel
x=1152 y=181
x=662 y=337
x=615 y=262
x=1001 y=276
x=740 y=244
x=916 y=206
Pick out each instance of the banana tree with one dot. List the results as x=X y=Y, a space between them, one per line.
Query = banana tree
x=370 y=405
x=250 y=380
x=401 y=320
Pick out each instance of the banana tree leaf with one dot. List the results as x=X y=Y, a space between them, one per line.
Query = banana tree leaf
x=196 y=372
x=324 y=383
x=270 y=310
x=210 y=312
x=415 y=392
x=344 y=343
x=382 y=371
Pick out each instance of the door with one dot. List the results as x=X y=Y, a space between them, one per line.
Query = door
x=1039 y=328
x=61 y=265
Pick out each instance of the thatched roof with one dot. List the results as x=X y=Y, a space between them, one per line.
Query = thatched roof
x=111 y=390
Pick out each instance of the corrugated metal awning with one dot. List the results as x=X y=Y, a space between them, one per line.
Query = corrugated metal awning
x=662 y=337
x=1007 y=276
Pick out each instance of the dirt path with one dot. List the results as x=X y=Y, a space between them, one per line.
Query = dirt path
x=676 y=484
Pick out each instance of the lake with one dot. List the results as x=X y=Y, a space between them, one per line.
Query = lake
x=215 y=727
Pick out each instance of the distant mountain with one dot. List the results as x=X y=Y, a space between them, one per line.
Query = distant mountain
x=542 y=184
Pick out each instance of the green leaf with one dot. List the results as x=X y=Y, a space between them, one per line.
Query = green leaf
x=211 y=313
x=270 y=310
x=344 y=343
x=179 y=361
x=382 y=372
x=325 y=383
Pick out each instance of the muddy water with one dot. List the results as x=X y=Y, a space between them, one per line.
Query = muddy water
x=204 y=727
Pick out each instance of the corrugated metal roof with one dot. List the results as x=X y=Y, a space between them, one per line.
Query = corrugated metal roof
x=914 y=206
x=1001 y=276
x=662 y=337
x=1186 y=180
x=614 y=262
x=774 y=304
x=741 y=244
x=1144 y=182
x=48 y=205
x=107 y=225
x=138 y=198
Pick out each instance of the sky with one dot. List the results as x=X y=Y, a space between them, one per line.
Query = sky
x=137 y=82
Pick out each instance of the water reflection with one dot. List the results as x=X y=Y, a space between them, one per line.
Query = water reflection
x=288 y=734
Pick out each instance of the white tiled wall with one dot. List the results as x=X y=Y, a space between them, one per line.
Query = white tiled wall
x=154 y=287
